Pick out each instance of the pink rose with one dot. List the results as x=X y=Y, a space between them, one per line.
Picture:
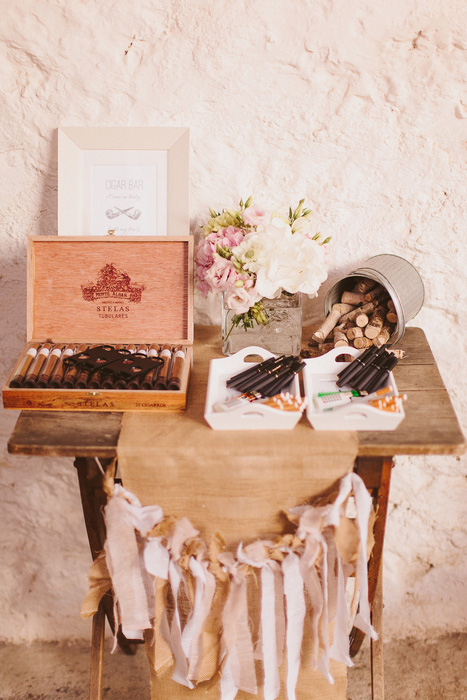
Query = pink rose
x=255 y=216
x=242 y=298
x=229 y=237
x=221 y=275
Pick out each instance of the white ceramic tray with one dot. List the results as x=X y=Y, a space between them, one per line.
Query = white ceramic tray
x=320 y=375
x=250 y=416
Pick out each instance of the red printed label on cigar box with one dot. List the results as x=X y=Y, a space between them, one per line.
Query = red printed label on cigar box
x=113 y=285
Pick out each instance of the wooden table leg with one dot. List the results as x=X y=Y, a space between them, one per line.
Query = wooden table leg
x=97 y=654
x=93 y=500
x=377 y=658
x=376 y=473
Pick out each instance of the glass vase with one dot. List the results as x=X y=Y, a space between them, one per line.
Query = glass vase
x=281 y=335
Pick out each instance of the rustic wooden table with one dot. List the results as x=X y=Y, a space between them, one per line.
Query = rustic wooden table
x=430 y=427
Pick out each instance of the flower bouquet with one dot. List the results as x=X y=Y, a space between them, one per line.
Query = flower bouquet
x=251 y=257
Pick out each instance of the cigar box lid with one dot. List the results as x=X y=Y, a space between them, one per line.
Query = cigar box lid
x=100 y=289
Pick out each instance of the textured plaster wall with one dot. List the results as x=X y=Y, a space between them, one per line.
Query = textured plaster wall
x=359 y=106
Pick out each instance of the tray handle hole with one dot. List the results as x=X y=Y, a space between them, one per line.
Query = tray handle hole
x=343 y=358
x=253 y=358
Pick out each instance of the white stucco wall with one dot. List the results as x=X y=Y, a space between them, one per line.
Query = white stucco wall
x=359 y=106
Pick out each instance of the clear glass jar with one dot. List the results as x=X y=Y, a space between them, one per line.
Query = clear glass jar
x=282 y=335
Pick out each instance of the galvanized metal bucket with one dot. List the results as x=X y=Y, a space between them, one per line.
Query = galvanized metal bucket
x=401 y=280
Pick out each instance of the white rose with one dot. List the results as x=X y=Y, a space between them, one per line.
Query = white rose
x=286 y=261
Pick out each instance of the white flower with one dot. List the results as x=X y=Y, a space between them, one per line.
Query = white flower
x=284 y=261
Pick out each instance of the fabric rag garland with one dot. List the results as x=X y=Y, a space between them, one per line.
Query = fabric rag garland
x=193 y=602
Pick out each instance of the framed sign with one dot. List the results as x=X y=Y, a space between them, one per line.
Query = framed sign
x=127 y=181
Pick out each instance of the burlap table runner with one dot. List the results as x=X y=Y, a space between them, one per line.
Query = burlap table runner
x=238 y=484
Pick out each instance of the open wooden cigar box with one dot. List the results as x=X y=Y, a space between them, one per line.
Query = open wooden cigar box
x=122 y=300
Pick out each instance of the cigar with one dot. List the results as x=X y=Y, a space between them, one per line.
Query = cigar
x=22 y=370
x=120 y=382
x=72 y=373
x=178 y=363
x=381 y=378
x=82 y=380
x=60 y=369
x=147 y=382
x=282 y=382
x=49 y=367
x=251 y=371
x=34 y=371
x=263 y=383
x=97 y=378
x=368 y=375
x=357 y=365
x=252 y=381
x=166 y=355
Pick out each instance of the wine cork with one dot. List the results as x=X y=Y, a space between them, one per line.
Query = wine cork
x=364 y=285
x=337 y=313
x=354 y=298
x=375 y=323
x=354 y=332
x=340 y=338
x=362 y=343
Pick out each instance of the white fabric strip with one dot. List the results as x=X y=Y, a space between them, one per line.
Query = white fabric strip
x=296 y=610
x=363 y=505
x=268 y=628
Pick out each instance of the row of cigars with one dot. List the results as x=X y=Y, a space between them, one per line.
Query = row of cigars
x=67 y=366
x=365 y=317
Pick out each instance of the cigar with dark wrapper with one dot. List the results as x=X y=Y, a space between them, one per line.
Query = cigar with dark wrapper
x=358 y=364
x=263 y=383
x=264 y=375
x=21 y=372
x=34 y=371
x=178 y=363
x=361 y=379
x=381 y=378
x=285 y=379
x=256 y=369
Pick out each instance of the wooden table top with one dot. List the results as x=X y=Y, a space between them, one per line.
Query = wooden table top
x=430 y=425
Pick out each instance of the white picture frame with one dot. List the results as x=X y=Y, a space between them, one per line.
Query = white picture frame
x=123 y=181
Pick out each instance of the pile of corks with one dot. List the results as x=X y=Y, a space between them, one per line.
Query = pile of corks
x=365 y=316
